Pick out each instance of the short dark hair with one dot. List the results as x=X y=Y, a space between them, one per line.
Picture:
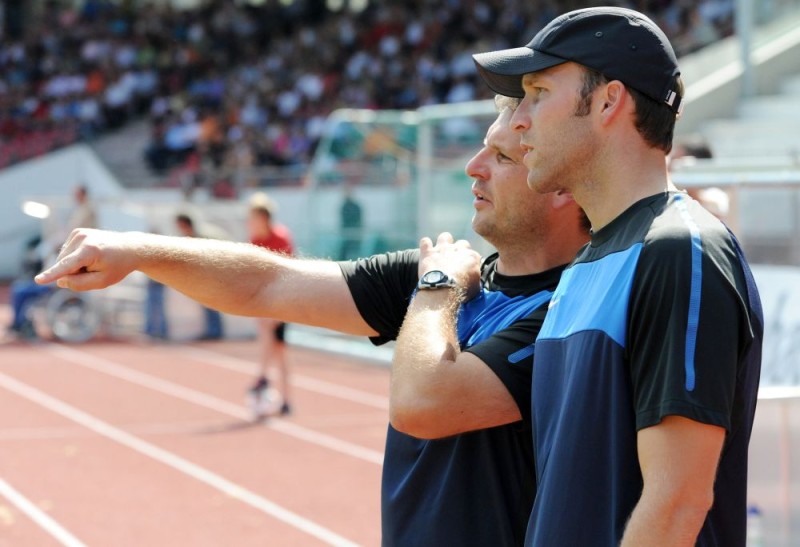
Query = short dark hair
x=262 y=204
x=591 y=80
x=262 y=211
x=695 y=146
x=183 y=218
x=655 y=121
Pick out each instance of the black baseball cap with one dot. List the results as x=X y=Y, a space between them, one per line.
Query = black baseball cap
x=620 y=43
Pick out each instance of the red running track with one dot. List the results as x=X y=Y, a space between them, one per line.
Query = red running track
x=113 y=443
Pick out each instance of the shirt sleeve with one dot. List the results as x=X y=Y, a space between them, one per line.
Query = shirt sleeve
x=510 y=354
x=688 y=328
x=382 y=286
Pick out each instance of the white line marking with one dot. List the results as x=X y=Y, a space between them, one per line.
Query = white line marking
x=176 y=462
x=342 y=392
x=13 y=434
x=155 y=383
x=322 y=387
x=779 y=392
x=38 y=516
x=41 y=433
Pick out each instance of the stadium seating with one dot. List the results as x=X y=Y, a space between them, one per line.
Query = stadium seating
x=252 y=85
x=765 y=126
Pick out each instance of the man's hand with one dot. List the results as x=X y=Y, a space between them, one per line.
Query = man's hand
x=92 y=259
x=437 y=390
x=456 y=258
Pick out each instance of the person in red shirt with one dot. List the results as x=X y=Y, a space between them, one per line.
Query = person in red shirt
x=277 y=238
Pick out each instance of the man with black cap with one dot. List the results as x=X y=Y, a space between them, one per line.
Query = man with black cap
x=647 y=366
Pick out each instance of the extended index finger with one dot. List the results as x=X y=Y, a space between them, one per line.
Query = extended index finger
x=73 y=263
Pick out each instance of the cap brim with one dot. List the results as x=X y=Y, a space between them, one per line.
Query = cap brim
x=502 y=70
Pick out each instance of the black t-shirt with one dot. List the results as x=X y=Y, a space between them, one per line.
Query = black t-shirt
x=476 y=488
x=658 y=316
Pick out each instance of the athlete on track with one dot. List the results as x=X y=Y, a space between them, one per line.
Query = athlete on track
x=268 y=234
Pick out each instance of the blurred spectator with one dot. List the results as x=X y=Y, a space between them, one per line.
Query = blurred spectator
x=351 y=223
x=267 y=74
x=156 y=325
x=690 y=149
x=84 y=214
x=24 y=291
x=693 y=146
x=715 y=200
x=213 y=319
x=266 y=233
x=155 y=318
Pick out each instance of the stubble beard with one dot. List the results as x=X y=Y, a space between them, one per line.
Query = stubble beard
x=544 y=181
x=567 y=166
x=508 y=236
x=490 y=230
x=543 y=177
x=482 y=227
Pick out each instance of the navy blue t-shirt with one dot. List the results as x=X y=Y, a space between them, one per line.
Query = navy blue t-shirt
x=474 y=489
x=658 y=315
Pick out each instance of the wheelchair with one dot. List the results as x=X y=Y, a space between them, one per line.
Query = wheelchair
x=72 y=317
x=77 y=317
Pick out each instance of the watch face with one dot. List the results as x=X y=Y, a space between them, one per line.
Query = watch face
x=434 y=277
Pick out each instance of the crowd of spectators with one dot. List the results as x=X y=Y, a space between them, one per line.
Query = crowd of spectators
x=241 y=85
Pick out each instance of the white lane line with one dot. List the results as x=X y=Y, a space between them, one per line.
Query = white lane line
x=41 y=433
x=178 y=391
x=322 y=387
x=14 y=434
x=42 y=519
x=176 y=462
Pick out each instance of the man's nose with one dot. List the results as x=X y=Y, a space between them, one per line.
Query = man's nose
x=521 y=119
x=476 y=167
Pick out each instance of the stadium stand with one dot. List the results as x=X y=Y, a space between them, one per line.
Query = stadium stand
x=236 y=86
x=765 y=126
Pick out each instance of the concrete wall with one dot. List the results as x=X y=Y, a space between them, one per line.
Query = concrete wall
x=713 y=76
x=50 y=179
x=312 y=217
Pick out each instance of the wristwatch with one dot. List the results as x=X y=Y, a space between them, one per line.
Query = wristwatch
x=436 y=279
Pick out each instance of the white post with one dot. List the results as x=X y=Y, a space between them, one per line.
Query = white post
x=745 y=27
x=424 y=176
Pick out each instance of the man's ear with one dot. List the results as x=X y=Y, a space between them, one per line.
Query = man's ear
x=612 y=99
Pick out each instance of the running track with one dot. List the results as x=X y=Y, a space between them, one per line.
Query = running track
x=113 y=443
